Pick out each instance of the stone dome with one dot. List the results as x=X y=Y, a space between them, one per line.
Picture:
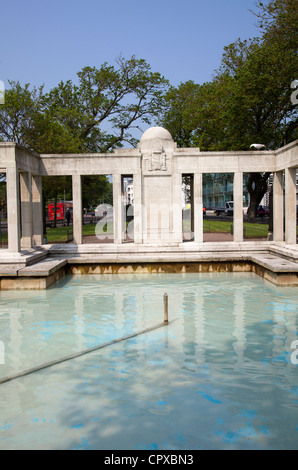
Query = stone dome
x=156 y=137
x=156 y=133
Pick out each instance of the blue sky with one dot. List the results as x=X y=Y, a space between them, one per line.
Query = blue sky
x=46 y=41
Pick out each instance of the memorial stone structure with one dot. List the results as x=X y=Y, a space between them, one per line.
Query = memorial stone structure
x=156 y=166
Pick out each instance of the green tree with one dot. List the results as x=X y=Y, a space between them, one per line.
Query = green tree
x=96 y=115
x=180 y=116
x=249 y=99
x=278 y=20
x=259 y=107
x=18 y=112
x=24 y=120
x=96 y=189
x=108 y=103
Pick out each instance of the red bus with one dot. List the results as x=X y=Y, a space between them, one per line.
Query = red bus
x=59 y=211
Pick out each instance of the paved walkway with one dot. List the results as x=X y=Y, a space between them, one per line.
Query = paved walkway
x=208 y=237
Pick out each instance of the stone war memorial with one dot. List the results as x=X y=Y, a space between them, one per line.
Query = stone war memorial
x=156 y=167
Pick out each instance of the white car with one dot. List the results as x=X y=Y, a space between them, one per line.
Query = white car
x=229 y=208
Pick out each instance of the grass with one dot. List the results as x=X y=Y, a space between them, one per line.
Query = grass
x=61 y=234
x=255 y=230
x=217 y=226
x=65 y=234
x=250 y=230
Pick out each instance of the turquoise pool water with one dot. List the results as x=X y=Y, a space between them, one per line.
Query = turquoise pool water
x=219 y=376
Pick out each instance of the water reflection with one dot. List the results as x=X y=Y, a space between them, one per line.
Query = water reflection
x=221 y=318
x=222 y=365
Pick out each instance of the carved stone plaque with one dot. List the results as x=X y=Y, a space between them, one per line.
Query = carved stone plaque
x=157 y=161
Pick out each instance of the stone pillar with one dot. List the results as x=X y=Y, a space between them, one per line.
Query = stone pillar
x=138 y=208
x=176 y=209
x=37 y=210
x=159 y=187
x=26 y=209
x=198 y=207
x=278 y=207
x=13 y=209
x=77 y=209
x=238 y=206
x=117 y=209
x=290 y=205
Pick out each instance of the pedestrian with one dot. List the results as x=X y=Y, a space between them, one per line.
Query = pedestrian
x=68 y=216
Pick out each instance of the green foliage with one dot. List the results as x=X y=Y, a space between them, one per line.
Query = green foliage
x=24 y=120
x=97 y=115
x=96 y=189
x=278 y=20
x=121 y=98
x=249 y=99
x=19 y=111
x=181 y=116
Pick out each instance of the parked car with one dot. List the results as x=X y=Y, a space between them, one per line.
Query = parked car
x=219 y=210
x=229 y=208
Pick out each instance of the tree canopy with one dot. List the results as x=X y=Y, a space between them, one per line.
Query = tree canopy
x=97 y=114
x=249 y=99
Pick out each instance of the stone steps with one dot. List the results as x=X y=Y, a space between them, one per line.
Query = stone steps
x=39 y=269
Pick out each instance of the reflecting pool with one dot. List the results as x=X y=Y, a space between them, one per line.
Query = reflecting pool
x=221 y=375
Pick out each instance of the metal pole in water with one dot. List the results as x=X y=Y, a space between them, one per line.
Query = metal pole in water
x=165 y=307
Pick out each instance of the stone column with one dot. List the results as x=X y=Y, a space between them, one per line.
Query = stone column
x=37 y=210
x=176 y=209
x=13 y=209
x=138 y=208
x=238 y=206
x=77 y=209
x=278 y=207
x=290 y=205
x=117 y=209
x=198 y=207
x=26 y=209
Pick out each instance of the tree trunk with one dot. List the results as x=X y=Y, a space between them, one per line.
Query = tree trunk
x=257 y=187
